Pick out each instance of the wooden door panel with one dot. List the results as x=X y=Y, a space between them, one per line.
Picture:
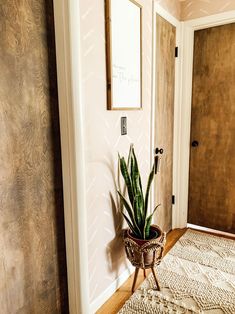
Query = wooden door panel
x=212 y=163
x=164 y=119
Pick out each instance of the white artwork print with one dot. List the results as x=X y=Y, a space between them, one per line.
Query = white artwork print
x=126 y=54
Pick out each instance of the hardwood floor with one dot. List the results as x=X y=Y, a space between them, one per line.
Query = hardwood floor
x=115 y=303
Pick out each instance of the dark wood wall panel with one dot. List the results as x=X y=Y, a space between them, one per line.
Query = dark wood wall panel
x=32 y=245
x=212 y=171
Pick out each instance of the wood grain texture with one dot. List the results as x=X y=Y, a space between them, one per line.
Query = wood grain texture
x=212 y=172
x=32 y=246
x=164 y=119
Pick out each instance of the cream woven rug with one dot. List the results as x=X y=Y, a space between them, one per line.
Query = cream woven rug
x=196 y=276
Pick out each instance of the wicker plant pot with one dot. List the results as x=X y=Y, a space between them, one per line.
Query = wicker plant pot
x=145 y=253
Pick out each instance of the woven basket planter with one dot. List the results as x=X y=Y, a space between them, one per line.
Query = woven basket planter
x=144 y=253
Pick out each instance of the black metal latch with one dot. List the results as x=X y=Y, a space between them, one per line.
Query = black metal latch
x=157 y=159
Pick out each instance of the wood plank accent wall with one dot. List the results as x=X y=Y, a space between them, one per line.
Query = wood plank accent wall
x=32 y=246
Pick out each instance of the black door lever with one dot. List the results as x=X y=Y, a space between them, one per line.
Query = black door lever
x=156 y=159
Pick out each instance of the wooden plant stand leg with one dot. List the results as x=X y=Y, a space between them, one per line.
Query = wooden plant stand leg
x=144 y=273
x=135 y=278
x=155 y=278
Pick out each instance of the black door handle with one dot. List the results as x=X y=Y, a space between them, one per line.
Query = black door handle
x=195 y=143
x=159 y=151
x=156 y=160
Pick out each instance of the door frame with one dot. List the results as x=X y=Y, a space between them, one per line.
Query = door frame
x=180 y=213
x=68 y=51
x=158 y=10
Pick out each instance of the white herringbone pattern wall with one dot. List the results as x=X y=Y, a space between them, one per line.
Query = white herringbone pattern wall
x=172 y=6
x=102 y=132
x=103 y=142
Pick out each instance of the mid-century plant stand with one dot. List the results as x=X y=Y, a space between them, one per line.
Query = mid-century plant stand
x=144 y=256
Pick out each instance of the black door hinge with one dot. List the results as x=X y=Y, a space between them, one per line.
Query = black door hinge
x=173 y=199
x=176 y=52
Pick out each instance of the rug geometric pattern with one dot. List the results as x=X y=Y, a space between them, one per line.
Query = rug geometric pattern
x=196 y=276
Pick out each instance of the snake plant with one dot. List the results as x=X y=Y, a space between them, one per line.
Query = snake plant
x=136 y=214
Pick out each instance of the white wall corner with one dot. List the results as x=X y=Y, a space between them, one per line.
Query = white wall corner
x=67 y=35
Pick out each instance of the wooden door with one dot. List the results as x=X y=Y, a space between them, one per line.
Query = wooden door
x=212 y=162
x=164 y=118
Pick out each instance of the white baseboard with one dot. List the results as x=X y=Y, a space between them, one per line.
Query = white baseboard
x=210 y=230
x=101 y=299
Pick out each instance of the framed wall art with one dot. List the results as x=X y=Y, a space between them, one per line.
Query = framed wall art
x=124 y=54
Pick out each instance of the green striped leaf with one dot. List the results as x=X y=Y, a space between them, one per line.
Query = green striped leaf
x=129 y=224
x=137 y=211
x=148 y=223
x=137 y=186
x=130 y=213
x=127 y=179
x=150 y=180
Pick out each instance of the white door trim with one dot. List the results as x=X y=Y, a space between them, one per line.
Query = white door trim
x=67 y=33
x=180 y=212
x=157 y=9
x=209 y=230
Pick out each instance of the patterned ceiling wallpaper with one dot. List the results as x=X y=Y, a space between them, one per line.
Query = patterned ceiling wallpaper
x=172 y=6
x=191 y=9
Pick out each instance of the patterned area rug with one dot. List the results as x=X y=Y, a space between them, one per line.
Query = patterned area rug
x=196 y=276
